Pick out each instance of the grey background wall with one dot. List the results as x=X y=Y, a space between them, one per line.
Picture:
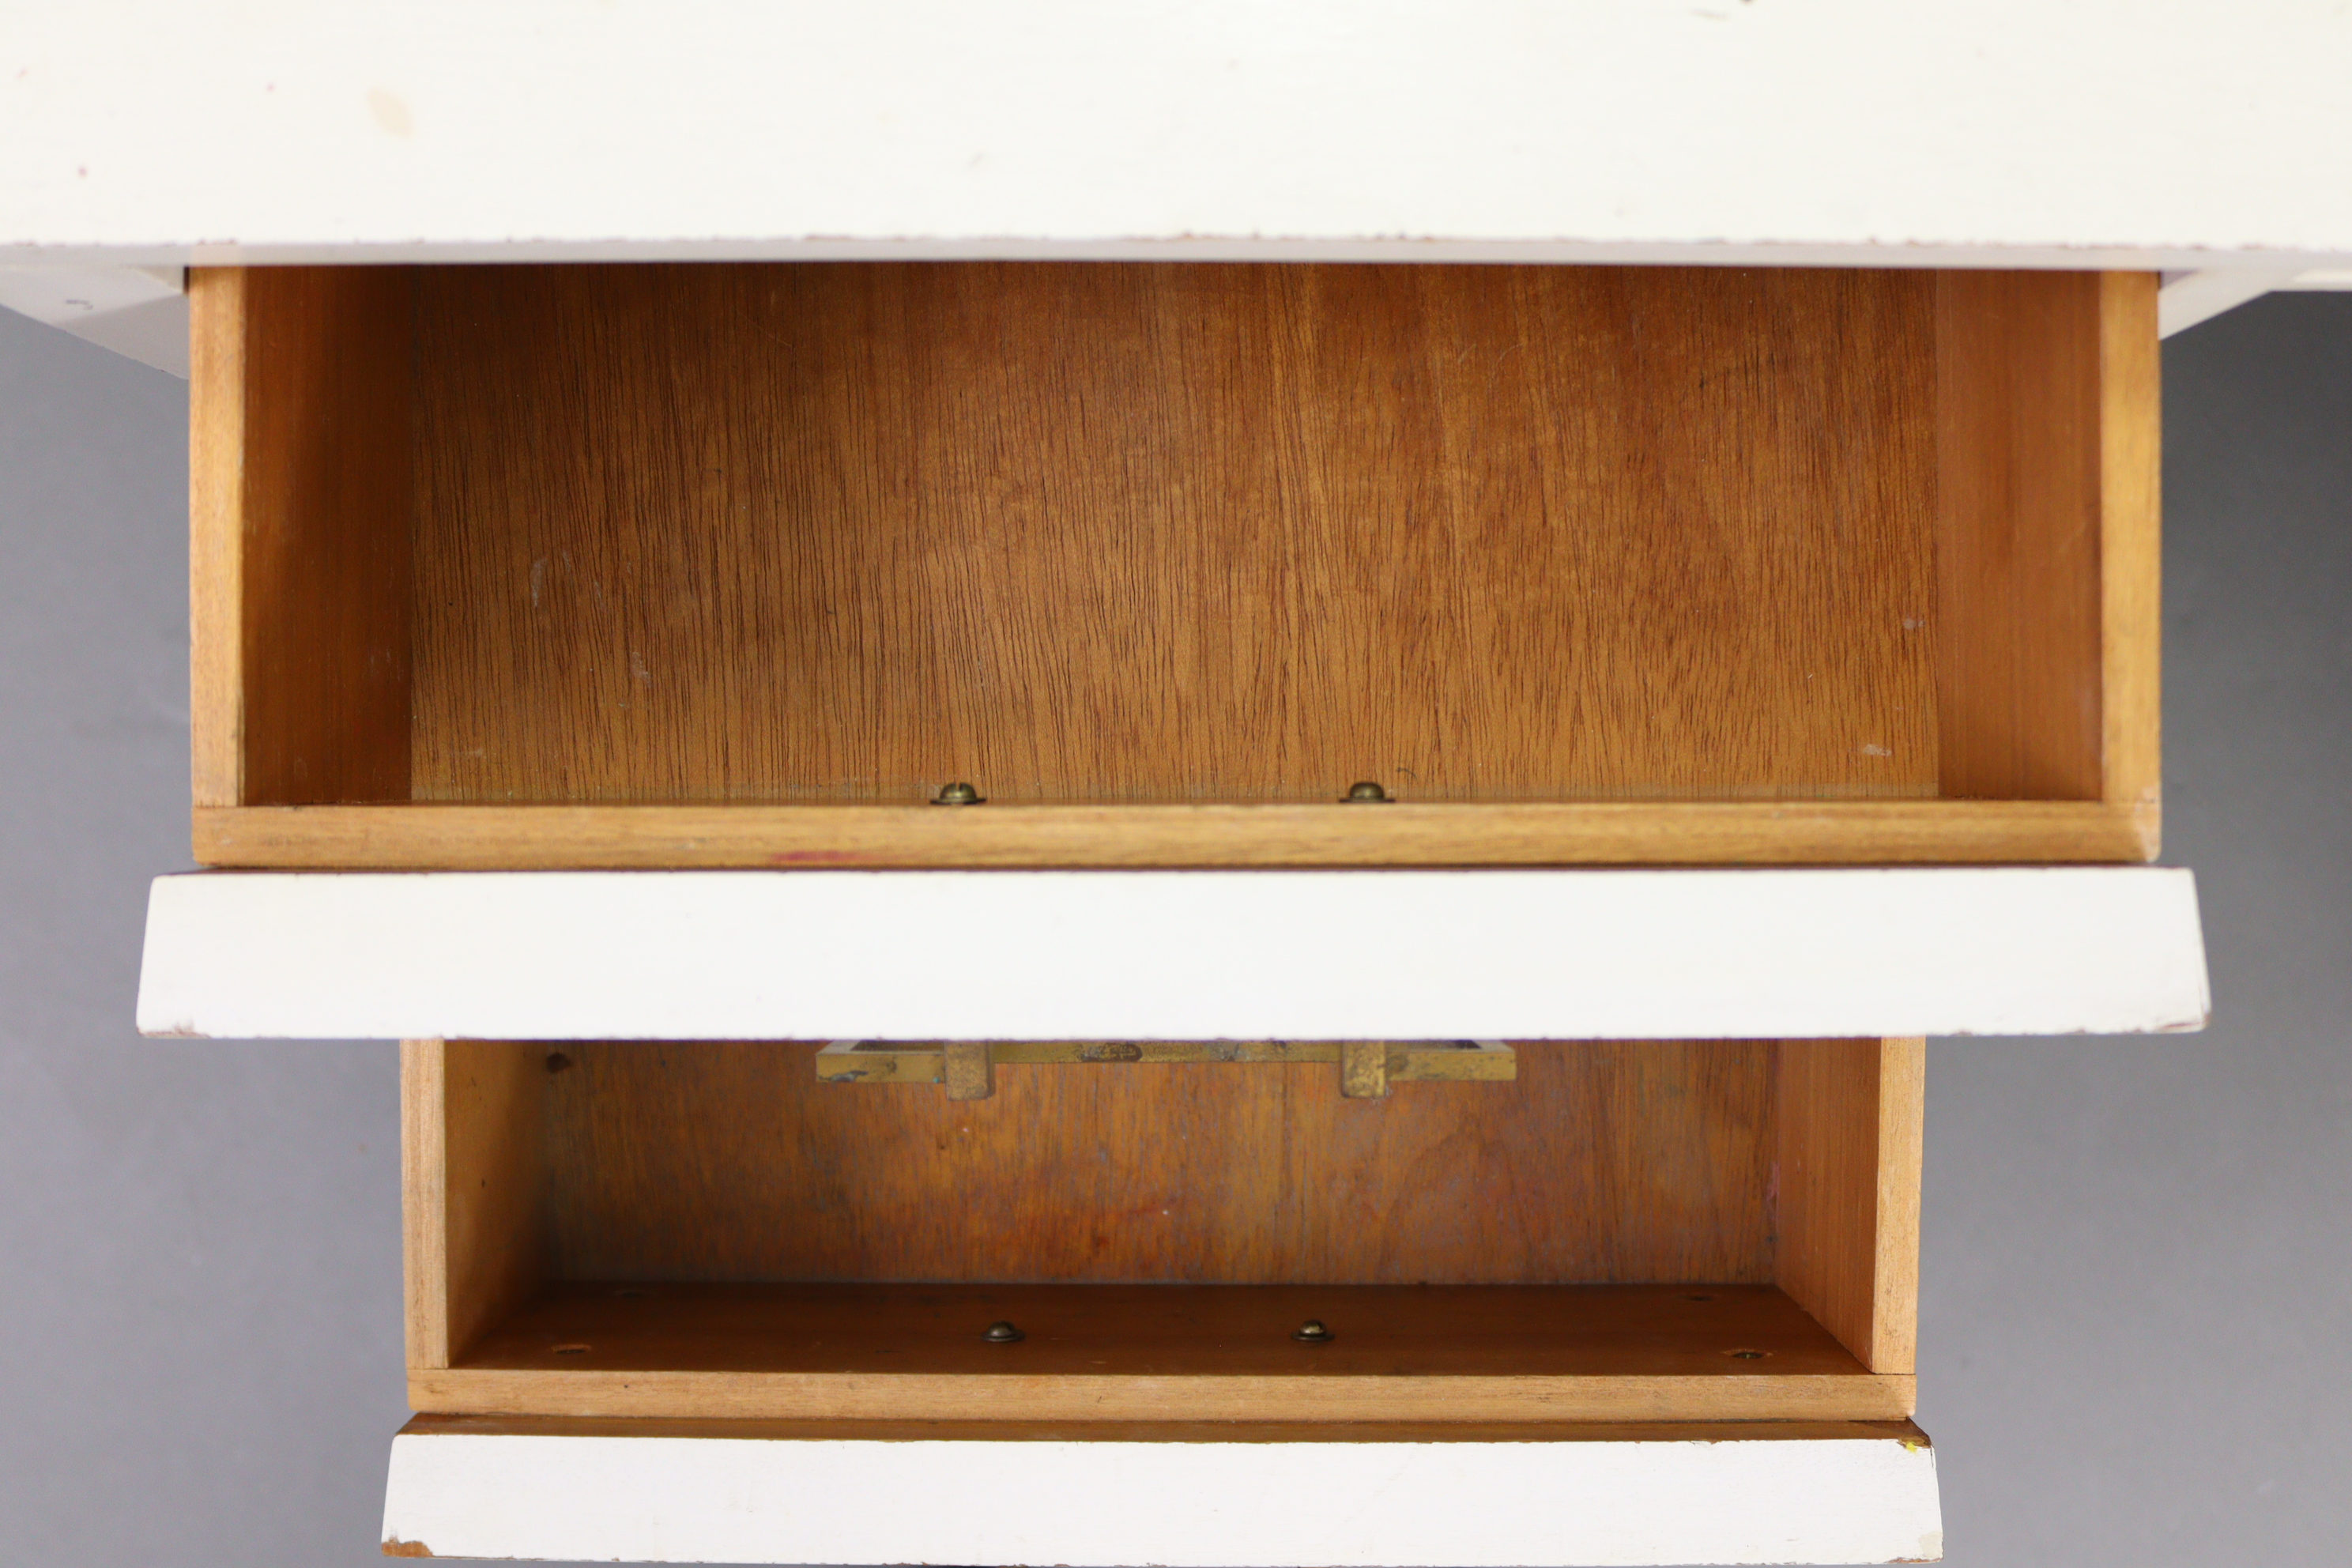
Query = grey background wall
x=2137 y=1302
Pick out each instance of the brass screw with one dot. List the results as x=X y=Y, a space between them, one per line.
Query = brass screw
x=1003 y=1335
x=1366 y=791
x=957 y=794
x=1311 y=1332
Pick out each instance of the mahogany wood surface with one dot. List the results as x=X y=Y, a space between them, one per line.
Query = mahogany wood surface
x=1604 y=1160
x=1173 y=532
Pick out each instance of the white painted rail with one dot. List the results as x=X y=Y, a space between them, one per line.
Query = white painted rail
x=1614 y=954
x=2162 y=133
x=1468 y=1504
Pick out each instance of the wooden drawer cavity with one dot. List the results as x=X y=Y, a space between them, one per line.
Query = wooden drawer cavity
x=1643 y=1231
x=748 y=565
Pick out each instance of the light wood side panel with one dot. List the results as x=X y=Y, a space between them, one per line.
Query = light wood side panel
x=473 y=1204
x=2131 y=579
x=216 y=424
x=1160 y=532
x=320 y=531
x=624 y=837
x=1849 y=1128
x=1610 y=1160
x=2019 y=400
x=424 y=1203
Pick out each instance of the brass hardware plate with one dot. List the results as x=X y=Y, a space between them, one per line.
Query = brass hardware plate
x=968 y=1067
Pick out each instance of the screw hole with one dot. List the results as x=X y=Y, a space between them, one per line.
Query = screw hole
x=1698 y=1296
x=557 y=1061
x=1747 y=1355
x=569 y=1350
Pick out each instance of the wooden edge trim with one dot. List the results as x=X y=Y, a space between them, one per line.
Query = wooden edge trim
x=216 y=420
x=624 y=837
x=1894 y=1305
x=425 y=1203
x=2131 y=546
x=430 y=1425
x=947 y=1396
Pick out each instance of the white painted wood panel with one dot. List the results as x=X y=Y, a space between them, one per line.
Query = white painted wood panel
x=2164 y=133
x=1174 y=954
x=1210 y=1505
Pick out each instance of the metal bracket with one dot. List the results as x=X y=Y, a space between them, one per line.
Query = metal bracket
x=968 y=1068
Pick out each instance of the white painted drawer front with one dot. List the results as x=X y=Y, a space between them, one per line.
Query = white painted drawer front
x=1174 y=956
x=474 y=1493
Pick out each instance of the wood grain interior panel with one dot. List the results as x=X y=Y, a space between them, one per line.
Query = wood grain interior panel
x=1173 y=532
x=321 y=530
x=2019 y=460
x=1605 y=1162
x=1849 y=1125
x=473 y=1189
x=1106 y=1352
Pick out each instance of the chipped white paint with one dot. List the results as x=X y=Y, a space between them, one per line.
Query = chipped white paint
x=1174 y=954
x=1210 y=1505
x=2157 y=134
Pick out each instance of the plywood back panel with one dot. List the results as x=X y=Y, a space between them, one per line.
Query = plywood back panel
x=1173 y=532
x=729 y=1161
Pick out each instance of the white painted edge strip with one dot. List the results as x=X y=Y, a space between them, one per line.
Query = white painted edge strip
x=1566 y=250
x=138 y=311
x=1208 y=1505
x=1184 y=956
